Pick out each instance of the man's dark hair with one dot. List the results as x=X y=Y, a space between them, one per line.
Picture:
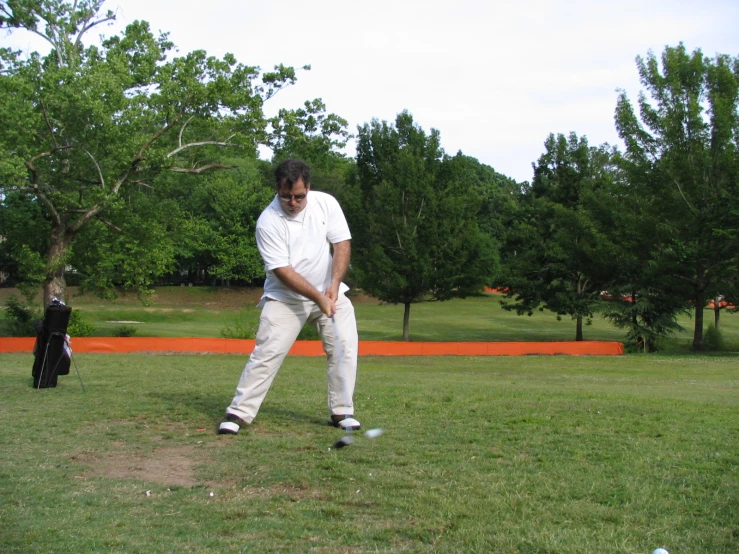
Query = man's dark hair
x=290 y=172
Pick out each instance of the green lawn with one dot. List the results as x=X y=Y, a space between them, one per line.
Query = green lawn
x=507 y=455
x=206 y=311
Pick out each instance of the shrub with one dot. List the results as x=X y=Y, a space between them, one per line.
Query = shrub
x=125 y=331
x=240 y=330
x=713 y=340
x=78 y=327
x=20 y=317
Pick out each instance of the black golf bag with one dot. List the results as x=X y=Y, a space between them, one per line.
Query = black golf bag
x=51 y=355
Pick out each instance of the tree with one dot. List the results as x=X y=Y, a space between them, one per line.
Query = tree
x=219 y=214
x=414 y=219
x=555 y=254
x=85 y=123
x=681 y=159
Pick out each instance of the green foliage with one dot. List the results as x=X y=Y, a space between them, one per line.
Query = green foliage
x=713 y=340
x=87 y=131
x=78 y=327
x=219 y=215
x=309 y=332
x=308 y=133
x=415 y=217
x=557 y=253
x=20 y=316
x=25 y=234
x=682 y=166
x=31 y=271
x=243 y=326
x=125 y=331
x=646 y=319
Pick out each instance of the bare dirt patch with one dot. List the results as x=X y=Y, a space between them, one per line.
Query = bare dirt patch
x=174 y=465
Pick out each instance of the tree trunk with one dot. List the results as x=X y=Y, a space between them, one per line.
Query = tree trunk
x=716 y=312
x=700 y=304
x=406 y=322
x=578 y=331
x=55 y=285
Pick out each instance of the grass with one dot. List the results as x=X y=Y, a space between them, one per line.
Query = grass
x=205 y=311
x=526 y=455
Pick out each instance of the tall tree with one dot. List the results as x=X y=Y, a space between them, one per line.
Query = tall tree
x=84 y=123
x=555 y=255
x=415 y=219
x=682 y=160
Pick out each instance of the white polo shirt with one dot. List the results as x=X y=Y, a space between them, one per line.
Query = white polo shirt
x=302 y=242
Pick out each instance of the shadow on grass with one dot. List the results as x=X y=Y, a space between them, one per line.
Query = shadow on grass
x=212 y=406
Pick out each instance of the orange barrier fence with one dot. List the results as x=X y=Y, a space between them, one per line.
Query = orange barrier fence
x=314 y=348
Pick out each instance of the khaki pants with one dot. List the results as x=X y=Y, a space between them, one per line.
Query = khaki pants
x=279 y=326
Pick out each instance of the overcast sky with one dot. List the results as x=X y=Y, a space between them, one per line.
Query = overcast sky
x=495 y=78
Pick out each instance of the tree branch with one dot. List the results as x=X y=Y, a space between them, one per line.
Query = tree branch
x=680 y=190
x=179 y=140
x=48 y=124
x=87 y=27
x=100 y=173
x=140 y=156
x=35 y=186
x=203 y=143
x=109 y=224
x=198 y=170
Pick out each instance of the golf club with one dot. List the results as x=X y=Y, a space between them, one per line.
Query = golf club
x=348 y=439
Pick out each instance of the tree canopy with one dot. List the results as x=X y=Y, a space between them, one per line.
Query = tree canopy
x=682 y=161
x=84 y=124
x=415 y=219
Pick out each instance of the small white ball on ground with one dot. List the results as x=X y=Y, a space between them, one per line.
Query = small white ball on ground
x=660 y=551
x=373 y=433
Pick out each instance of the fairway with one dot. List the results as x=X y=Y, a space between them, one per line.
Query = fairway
x=506 y=455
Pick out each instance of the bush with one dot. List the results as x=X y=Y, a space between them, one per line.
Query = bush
x=20 y=317
x=241 y=330
x=713 y=340
x=78 y=327
x=125 y=331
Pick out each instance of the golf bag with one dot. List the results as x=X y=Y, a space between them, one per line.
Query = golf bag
x=51 y=351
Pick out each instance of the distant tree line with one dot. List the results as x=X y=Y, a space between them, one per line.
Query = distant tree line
x=125 y=166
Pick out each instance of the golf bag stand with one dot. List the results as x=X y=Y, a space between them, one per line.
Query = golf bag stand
x=52 y=354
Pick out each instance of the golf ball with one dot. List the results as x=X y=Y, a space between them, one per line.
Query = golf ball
x=373 y=433
x=660 y=551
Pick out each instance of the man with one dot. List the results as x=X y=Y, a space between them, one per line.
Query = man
x=295 y=235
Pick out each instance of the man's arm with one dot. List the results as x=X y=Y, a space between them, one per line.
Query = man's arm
x=294 y=281
x=326 y=301
x=341 y=257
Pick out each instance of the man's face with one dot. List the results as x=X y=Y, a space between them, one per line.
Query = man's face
x=293 y=200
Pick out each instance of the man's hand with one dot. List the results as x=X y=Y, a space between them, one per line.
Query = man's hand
x=327 y=305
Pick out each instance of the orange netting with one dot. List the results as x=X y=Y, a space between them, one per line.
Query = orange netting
x=314 y=348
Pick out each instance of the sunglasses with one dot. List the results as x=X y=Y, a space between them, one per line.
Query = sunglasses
x=296 y=197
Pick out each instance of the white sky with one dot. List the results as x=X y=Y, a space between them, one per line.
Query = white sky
x=495 y=78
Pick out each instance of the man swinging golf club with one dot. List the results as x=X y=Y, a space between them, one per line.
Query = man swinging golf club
x=295 y=235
